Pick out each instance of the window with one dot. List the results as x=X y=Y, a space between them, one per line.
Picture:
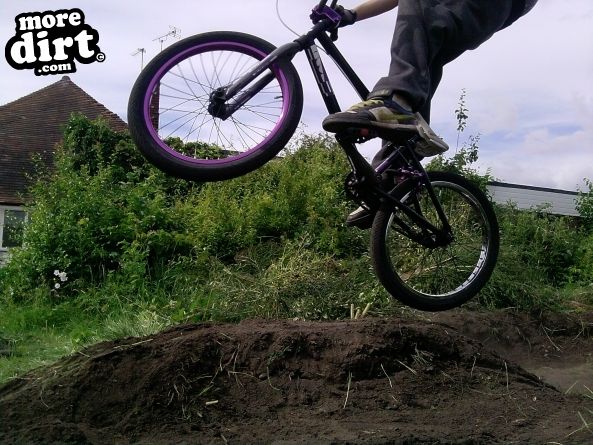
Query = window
x=12 y=223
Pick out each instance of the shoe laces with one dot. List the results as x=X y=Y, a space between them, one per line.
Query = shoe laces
x=367 y=103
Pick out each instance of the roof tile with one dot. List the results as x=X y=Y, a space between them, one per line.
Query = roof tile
x=32 y=126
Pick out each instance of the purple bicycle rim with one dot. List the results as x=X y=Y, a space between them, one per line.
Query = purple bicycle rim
x=196 y=50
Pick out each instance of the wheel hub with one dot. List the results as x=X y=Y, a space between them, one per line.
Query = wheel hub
x=217 y=106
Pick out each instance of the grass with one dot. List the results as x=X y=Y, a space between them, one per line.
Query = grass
x=143 y=251
x=40 y=335
x=33 y=350
x=269 y=280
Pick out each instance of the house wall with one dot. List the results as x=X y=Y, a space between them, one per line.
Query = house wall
x=561 y=202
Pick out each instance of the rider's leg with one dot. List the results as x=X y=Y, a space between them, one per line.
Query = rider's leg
x=428 y=34
x=431 y=33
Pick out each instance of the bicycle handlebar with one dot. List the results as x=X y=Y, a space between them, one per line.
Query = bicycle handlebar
x=332 y=5
x=329 y=15
x=321 y=11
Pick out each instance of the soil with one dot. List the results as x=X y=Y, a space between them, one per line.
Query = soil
x=459 y=377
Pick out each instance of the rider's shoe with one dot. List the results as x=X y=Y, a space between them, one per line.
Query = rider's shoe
x=430 y=144
x=386 y=115
x=361 y=218
x=376 y=112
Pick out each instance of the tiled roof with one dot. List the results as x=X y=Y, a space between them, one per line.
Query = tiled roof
x=32 y=125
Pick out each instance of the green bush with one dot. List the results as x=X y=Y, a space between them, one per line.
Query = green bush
x=104 y=213
x=124 y=234
x=301 y=193
x=538 y=256
x=585 y=203
x=100 y=203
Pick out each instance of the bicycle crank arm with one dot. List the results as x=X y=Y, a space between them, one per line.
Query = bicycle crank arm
x=359 y=164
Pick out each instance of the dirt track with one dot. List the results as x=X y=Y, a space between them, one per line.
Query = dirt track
x=459 y=377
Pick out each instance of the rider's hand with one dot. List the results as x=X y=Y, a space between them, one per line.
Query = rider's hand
x=348 y=16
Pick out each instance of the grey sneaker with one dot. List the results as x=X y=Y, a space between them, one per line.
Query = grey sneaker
x=386 y=116
x=378 y=113
x=361 y=218
x=430 y=144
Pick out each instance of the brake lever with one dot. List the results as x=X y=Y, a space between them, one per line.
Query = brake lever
x=326 y=12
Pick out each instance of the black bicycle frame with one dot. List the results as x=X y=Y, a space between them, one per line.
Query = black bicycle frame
x=366 y=175
x=357 y=161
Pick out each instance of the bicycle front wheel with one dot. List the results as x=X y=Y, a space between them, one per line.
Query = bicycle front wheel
x=172 y=121
x=435 y=278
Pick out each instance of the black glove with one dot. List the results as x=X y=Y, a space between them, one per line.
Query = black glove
x=348 y=16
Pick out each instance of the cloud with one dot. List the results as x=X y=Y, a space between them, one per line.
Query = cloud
x=529 y=88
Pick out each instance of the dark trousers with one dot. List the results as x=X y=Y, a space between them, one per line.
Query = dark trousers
x=429 y=34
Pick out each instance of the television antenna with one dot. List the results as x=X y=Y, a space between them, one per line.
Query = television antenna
x=140 y=51
x=174 y=32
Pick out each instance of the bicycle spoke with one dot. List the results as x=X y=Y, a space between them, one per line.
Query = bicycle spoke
x=439 y=270
x=184 y=105
x=187 y=80
x=242 y=132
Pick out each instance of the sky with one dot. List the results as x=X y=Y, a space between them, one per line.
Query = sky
x=529 y=89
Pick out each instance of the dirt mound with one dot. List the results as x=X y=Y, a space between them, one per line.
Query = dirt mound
x=371 y=381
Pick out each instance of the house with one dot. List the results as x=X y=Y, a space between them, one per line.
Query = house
x=30 y=128
x=525 y=197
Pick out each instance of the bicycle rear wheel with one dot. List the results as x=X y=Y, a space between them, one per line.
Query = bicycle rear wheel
x=170 y=120
x=437 y=278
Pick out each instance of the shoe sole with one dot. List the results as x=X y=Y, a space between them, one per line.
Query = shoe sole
x=345 y=123
x=430 y=145
x=364 y=222
x=361 y=218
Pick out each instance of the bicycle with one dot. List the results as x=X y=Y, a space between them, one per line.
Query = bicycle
x=221 y=104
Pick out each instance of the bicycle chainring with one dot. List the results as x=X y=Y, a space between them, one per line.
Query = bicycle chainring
x=359 y=193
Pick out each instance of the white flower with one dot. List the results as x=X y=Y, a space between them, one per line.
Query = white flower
x=56 y=272
x=57 y=285
x=63 y=276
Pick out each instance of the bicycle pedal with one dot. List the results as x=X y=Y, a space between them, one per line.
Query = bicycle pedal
x=359 y=135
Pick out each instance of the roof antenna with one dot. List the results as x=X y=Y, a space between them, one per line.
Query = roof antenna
x=140 y=51
x=174 y=32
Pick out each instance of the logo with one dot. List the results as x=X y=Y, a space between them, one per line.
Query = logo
x=51 y=42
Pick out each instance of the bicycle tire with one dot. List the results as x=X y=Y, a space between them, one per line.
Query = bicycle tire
x=181 y=73
x=406 y=269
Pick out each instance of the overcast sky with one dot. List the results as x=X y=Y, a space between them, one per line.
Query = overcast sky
x=529 y=88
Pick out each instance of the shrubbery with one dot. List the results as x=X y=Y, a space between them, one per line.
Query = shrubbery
x=271 y=243
x=121 y=229
x=114 y=247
